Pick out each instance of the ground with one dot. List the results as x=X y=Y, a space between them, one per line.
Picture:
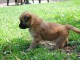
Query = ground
x=14 y=41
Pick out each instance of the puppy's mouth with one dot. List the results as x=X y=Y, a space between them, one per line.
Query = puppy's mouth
x=23 y=26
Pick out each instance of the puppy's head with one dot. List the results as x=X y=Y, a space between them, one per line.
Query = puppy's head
x=28 y=20
x=25 y=19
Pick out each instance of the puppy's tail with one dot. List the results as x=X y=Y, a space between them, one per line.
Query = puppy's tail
x=69 y=27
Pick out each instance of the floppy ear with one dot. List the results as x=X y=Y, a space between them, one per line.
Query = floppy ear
x=31 y=21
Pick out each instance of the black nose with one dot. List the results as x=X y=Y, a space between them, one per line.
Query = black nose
x=22 y=26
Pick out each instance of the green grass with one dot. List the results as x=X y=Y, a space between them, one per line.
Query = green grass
x=14 y=41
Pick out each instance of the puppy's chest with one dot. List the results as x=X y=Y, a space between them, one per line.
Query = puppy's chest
x=32 y=32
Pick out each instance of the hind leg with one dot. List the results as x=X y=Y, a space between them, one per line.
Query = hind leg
x=60 y=42
x=66 y=42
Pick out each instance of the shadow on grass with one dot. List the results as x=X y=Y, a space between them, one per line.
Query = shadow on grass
x=15 y=48
x=16 y=45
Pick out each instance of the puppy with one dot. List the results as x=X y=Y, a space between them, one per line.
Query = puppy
x=41 y=30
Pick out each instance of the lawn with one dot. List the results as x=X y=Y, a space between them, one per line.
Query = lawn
x=14 y=41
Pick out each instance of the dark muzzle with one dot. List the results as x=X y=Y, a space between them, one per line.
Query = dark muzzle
x=23 y=26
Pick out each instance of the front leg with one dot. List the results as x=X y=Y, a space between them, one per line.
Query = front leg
x=34 y=43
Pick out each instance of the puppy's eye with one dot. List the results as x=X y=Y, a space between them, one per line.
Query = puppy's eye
x=26 y=19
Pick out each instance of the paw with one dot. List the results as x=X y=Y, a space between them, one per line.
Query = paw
x=28 y=50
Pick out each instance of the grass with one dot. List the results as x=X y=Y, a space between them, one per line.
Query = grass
x=14 y=41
